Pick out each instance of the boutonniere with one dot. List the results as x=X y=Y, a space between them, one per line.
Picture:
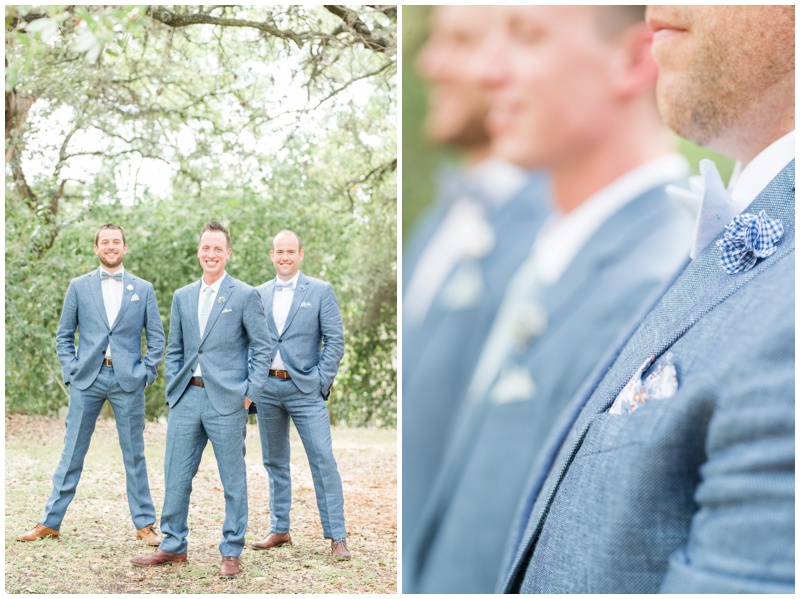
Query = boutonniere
x=221 y=299
x=129 y=288
x=747 y=239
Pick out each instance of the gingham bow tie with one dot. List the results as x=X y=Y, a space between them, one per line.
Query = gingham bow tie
x=747 y=238
x=281 y=285
x=117 y=276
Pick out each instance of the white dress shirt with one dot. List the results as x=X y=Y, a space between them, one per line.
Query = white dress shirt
x=281 y=303
x=214 y=290
x=112 y=299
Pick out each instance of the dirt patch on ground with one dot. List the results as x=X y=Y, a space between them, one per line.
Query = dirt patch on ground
x=97 y=535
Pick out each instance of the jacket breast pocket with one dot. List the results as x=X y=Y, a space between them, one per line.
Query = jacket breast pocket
x=612 y=432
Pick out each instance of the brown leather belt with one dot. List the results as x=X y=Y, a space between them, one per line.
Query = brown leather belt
x=197 y=381
x=108 y=362
x=281 y=374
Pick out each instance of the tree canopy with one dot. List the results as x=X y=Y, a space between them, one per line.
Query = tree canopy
x=159 y=118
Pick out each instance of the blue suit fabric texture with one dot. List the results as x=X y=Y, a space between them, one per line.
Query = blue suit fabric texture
x=311 y=346
x=439 y=353
x=628 y=259
x=692 y=493
x=233 y=355
x=91 y=383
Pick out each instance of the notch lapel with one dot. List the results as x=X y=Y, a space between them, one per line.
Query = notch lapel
x=97 y=294
x=702 y=286
x=128 y=280
x=299 y=295
x=225 y=291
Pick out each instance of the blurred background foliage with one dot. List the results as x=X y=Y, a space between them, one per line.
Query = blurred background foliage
x=160 y=118
x=421 y=160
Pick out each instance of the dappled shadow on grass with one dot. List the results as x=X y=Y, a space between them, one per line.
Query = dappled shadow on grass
x=98 y=539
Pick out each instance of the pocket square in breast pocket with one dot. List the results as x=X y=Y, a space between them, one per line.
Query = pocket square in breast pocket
x=662 y=383
x=135 y=298
x=226 y=310
x=305 y=304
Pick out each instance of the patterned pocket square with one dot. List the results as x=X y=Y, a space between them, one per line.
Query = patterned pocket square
x=226 y=310
x=662 y=383
x=135 y=298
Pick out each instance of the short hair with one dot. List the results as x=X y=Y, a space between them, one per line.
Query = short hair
x=213 y=225
x=613 y=20
x=106 y=227
x=287 y=231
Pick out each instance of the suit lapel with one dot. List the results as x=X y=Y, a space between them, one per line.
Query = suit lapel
x=615 y=237
x=702 y=286
x=128 y=281
x=224 y=294
x=299 y=295
x=97 y=294
x=194 y=303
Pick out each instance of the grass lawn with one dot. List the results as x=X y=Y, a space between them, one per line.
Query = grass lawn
x=98 y=538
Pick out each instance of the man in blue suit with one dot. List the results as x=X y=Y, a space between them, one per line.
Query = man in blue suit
x=110 y=307
x=458 y=260
x=305 y=328
x=215 y=323
x=564 y=103
x=674 y=471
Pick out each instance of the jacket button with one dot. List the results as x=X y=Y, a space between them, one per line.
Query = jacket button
x=200 y=352
x=280 y=340
x=109 y=333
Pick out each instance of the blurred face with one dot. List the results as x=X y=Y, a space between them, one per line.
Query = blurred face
x=110 y=248
x=286 y=256
x=457 y=105
x=213 y=253
x=549 y=73
x=718 y=62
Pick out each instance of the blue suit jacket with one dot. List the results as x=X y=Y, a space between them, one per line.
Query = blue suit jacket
x=629 y=258
x=313 y=319
x=85 y=312
x=439 y=354
x=694 y=493
x=236 y=324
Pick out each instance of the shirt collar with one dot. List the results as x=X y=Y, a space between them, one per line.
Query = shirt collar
x=215 y=285
x=563 y=235
x=499 y=180
x=293 y=280
x=122 y=270
x=746 y=183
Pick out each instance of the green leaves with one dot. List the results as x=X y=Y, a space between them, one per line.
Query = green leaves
x=162 y=123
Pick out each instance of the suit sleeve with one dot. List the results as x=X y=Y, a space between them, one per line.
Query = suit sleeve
x=330 y=322
x=154 y=333
x=174 y=358
x=65 y=334
x=255 y=324
x=741 y=538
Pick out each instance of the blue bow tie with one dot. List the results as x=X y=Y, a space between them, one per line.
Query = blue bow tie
x=281 y=285
x=117 y=276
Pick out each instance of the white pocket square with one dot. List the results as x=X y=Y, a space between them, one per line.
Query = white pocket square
x=662 y=383
x=305 y=304
x=227 y=310
x=135 y=298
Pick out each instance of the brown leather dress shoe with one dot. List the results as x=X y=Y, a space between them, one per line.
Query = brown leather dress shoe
x=274 y=539
x=339 y=549
x=159 y=558
x=229 y=567
x=148 y=535
x=40 y=531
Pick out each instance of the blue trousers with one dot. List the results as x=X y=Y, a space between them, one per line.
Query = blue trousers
x=193 y=421
x=84 y=407
x=281 y=401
